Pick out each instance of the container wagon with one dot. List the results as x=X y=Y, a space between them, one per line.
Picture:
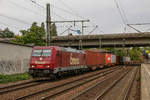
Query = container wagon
x=126 y=60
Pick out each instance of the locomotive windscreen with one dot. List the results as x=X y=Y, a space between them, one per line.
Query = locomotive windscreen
x=41 y=52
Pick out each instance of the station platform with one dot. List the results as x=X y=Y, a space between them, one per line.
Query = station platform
x=145 y=82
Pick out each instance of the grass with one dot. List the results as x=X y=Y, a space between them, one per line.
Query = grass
x=14 y=78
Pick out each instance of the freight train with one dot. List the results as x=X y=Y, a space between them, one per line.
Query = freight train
x=49 y=61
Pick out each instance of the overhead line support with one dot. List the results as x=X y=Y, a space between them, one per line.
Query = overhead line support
x=48 y=24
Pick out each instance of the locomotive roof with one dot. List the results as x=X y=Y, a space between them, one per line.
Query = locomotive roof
x=59 y=48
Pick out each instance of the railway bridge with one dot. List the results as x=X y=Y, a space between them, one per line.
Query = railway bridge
x=103 y=40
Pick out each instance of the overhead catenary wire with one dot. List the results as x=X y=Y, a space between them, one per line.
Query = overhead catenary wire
x=15 y=19
x=25 y=8
x=7 y=25
x=65 y=31
x=123 y=11
x=120 y=12
x=138 y=24
x=66 y=11
x=67 y=6
x=34 y=2
x=43 y=8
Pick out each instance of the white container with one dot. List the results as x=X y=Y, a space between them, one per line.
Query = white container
x=113 y=58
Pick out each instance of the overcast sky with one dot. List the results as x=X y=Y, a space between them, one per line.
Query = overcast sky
x=103 y=13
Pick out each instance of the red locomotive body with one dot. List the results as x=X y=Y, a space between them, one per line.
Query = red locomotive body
x=94 y=59
x=49 y=60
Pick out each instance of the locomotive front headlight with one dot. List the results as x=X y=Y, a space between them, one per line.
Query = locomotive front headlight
x=32 y=66
x=47 y=66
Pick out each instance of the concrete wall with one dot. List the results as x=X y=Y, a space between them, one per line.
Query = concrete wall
x=14 y=58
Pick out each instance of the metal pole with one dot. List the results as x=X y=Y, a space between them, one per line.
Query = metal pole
x=124 y=46
x=100 y=43
x=68 y=39
x=114 y=47
x=82 y=35
x=48 y=23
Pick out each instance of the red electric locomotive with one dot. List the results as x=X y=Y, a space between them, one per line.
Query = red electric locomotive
x=47 y=61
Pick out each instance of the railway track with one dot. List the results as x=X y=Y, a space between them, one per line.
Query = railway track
x=86 y=91
x=15 y=87
x=128 y=90
x=59 y=89
x=111 y=86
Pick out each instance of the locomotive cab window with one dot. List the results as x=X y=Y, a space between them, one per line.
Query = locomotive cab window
x=46 y=53
x=37 y=53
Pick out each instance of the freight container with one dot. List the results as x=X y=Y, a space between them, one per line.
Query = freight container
x=108 y=59
x=117 y=60
x=94 y=59
x=113 y=59
x=126 y=60
x=120 y=60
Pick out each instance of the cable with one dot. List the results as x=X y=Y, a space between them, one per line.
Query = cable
x=34 y=2
x=45 y=8
x=71 y=9
x=5 y=24
x=65 y=30
x=15 y=4
x=16 y=27
x=15 y=19
x=123 y=12
x=58 y=15
x=93 y=29
x=54 y=7
x=119 y=10
x=66 y=11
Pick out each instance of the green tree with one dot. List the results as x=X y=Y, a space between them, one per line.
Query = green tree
x=6 y=33
x=135 y=53
x=34 y=35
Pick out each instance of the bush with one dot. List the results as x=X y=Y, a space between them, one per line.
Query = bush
x=14 y=78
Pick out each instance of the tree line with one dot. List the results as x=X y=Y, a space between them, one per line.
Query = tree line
x=35 y=35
